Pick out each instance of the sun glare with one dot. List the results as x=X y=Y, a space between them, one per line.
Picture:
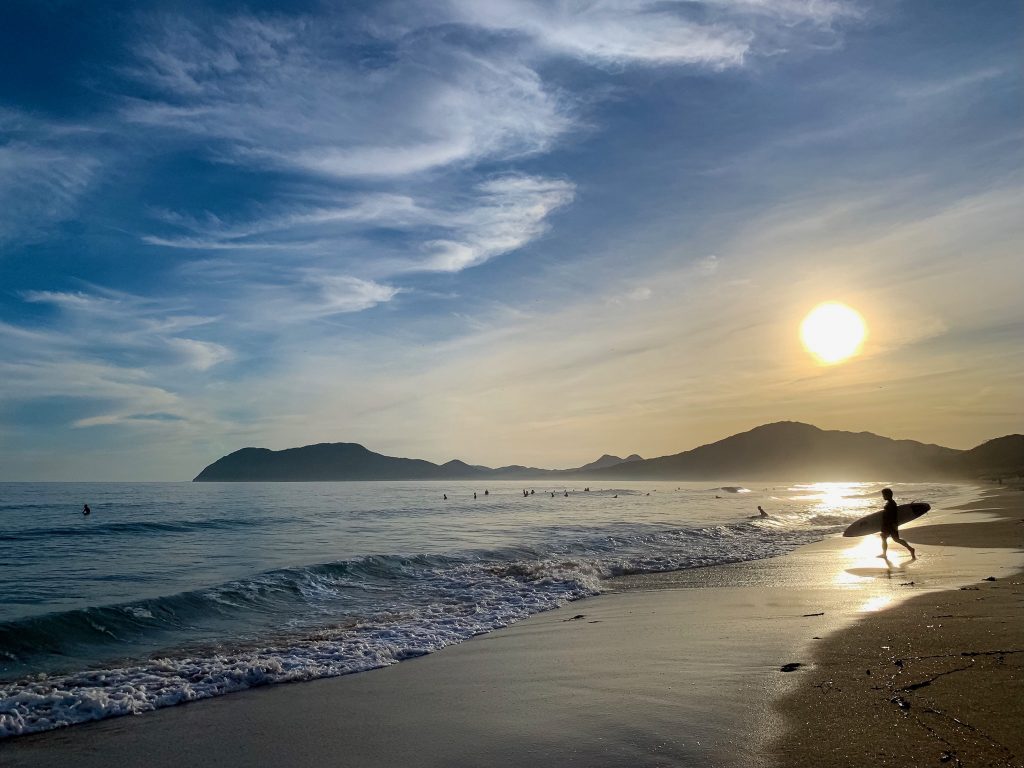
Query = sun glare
x=833 y=332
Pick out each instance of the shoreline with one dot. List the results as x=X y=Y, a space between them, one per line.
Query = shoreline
x=685 y=672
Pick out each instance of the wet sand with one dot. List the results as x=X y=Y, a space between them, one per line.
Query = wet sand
x=678 y=669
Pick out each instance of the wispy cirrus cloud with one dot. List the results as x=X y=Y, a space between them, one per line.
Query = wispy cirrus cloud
x=45 y=169
x=113 y=358
x=200 y=355
x=613 y=31
x=245 y=81
x=315 y=294
x=717 y=34
x=95 y=328
x=508 y=213
x=419 y=100
x=497 y=216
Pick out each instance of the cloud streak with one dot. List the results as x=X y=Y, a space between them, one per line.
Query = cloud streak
x=245 y=82
x=41 y=184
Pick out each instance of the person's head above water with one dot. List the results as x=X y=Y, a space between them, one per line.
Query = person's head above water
x=887 y=493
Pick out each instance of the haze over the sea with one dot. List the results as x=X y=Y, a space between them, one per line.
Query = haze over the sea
x=505 y=231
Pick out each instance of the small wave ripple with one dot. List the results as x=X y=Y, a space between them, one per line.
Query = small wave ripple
x=104 y=530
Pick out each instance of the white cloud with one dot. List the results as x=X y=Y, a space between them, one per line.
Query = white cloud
x=200 y=355
x=613 y=31
x=717 y=34
x=40 y=185
x=110 y=351
x=343 y=293
x=499 y=216
x=248 y=81
x=73 y=300
x=295 y=227
x=510 y=211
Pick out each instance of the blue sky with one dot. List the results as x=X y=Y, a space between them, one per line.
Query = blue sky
x=499 y=230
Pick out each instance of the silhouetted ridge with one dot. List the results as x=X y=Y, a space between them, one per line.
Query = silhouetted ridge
x=324 y=461
x=791 y=449
x=605 y=461
x=780 y=451
x=995 y=458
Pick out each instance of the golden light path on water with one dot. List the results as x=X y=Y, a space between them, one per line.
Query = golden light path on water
x=833 y=332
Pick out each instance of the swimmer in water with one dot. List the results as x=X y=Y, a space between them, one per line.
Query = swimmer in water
x=763 y=513
x=85 y=510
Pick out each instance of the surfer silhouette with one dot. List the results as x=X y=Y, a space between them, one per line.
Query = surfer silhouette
x=890 y=525
x=85 y=510
x=763 y=513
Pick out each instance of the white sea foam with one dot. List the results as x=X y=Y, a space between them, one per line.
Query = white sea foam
x=485 y=599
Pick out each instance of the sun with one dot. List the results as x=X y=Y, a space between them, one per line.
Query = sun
x=833 y=332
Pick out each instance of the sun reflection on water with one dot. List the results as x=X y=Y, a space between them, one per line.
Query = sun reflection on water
x=835 y=497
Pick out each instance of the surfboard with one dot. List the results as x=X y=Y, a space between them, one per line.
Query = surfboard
x=873 y=523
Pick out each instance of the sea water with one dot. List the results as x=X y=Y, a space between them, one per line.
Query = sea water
x=171 y=592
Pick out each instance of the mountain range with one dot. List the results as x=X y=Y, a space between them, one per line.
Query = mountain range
x=778 y=451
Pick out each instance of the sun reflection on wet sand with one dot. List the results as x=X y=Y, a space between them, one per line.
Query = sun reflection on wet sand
x=861 y=562
x=876 y=603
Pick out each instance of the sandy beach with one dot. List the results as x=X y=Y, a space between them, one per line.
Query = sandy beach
x=938 y=680
x=679 y=669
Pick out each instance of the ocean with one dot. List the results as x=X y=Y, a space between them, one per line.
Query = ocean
x=172 y=592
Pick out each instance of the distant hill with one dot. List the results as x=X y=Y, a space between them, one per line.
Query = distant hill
x=784 y=450
x=997 y=458
x=352 y=461
x=790 y=449
x=605 y=461
x=324 y=461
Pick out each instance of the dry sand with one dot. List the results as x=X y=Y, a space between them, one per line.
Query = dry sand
x=683 y=669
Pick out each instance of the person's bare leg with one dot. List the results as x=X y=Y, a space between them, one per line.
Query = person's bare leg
x=885 y=547
x=913 y=555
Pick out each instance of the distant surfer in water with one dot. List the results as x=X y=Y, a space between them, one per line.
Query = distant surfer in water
x=85 y=510
x=890 y=525
x=763 y=513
